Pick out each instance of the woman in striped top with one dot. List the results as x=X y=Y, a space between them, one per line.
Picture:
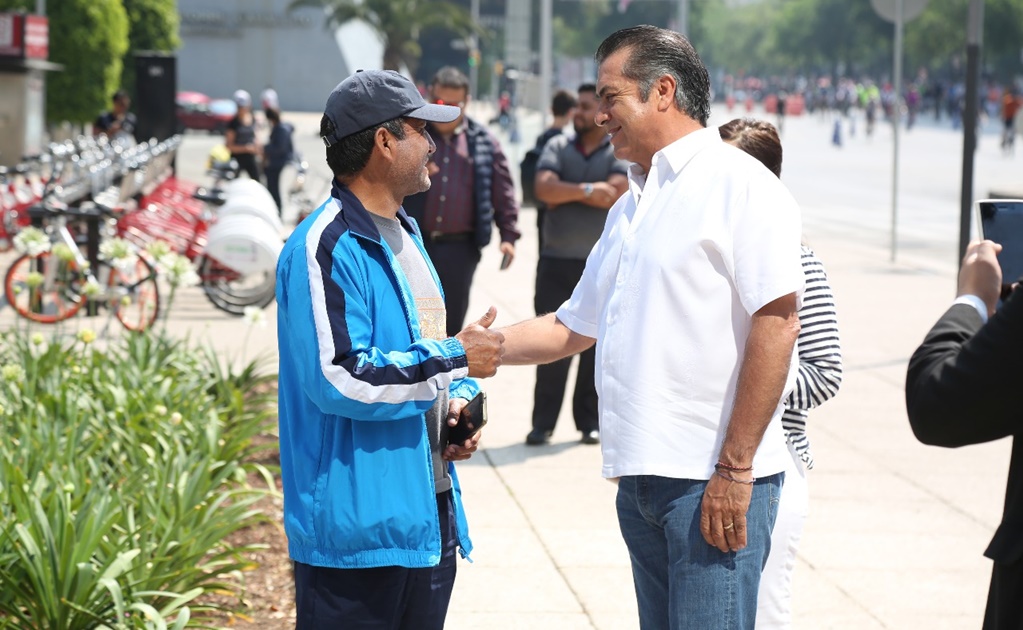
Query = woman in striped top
x=818 y=379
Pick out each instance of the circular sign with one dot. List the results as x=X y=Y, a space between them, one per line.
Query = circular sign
x=910 y=8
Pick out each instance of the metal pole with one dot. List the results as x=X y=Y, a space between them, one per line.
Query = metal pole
x=896 y=118
x=546 y=59
x=474 y=46
x=683 y=17
x=974 y=39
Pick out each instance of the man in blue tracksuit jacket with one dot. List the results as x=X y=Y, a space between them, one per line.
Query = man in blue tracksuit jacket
x=369 y=382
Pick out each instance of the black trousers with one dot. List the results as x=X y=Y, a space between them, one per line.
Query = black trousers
x=1004 y=606
x=273 y=184
x=380 y=598
x=555 y=280
x=455 y=261
x=247 y=164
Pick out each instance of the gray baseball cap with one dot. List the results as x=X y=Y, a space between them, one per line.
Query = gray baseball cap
x=370 y=97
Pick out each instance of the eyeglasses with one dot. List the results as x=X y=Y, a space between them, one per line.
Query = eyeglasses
x=440 y=101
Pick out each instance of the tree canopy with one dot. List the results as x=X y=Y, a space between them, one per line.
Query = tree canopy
x=95 y=41
x=398 y=23
x=152 y=25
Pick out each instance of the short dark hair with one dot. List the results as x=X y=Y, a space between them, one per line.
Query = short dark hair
x=759 y=138
x=118 y=95
x=563 y=102
x=655 y=52
x=349 y=155
x=272 y=115
x=587 y=87
x=451 y=77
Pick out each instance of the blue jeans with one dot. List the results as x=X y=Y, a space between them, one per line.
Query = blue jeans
x=681 y=581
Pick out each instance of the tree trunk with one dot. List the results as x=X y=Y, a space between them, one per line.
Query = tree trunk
x=392 y=58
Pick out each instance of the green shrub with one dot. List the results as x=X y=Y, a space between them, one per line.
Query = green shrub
x=123 y=471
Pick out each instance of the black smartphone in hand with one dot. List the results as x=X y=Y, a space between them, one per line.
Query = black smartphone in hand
x=472 y=418
x=1001 y=220
x=506 y=261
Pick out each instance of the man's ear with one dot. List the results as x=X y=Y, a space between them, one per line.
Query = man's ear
x=385 y=142
x=665 y=90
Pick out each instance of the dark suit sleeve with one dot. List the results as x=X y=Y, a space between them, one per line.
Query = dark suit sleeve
x=963 y=381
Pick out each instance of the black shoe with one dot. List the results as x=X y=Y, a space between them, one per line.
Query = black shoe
x=590 y=437
x=537 y=437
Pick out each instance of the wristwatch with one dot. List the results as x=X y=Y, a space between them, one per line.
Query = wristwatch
x=587 y=190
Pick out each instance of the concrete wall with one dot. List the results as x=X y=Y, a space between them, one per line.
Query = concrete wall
x=253 y=44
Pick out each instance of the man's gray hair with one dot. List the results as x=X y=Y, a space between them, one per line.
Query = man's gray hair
x=451 y=77
x=655 y=52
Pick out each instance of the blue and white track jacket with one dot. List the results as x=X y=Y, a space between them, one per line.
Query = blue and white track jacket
x=355 y=382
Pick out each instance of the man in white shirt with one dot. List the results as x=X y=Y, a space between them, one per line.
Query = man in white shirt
x=691 y=296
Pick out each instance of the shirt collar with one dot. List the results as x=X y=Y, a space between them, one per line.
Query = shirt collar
x=357 y=216
x=673 y=158
x=577 y=141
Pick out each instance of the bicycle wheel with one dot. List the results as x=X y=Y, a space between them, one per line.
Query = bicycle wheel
x=135 y=295
x=231 y=291
x=44 y=288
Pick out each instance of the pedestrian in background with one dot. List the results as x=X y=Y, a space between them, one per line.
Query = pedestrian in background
x=563 y=105
x=240 y=136
x=369 y=383
x=118 y=122
x=277 y=153
x=962 y=387
x=819 y=377
x=473 y=191
x=578 y=178
x=691 y=296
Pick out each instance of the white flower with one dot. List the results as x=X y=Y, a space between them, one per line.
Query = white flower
x=32 y=241
x=63 y=252
x=158 y=249
x=119 y=253
x=86 y=336
x=39 y=347
x=180 y=271
x=34 y=280
x=91 y=289
x=254 y=316
x=12 y=372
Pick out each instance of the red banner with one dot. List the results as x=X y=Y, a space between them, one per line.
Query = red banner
x=37 y=37
x=11 y=32
x=24 y=36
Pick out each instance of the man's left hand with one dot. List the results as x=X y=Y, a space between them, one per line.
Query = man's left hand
x=459 y=452
x=723 y=514
x=509 y=249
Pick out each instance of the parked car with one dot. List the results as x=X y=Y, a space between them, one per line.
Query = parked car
x=198 y=111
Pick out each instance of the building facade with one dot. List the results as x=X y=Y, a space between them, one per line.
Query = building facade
x=255 y=44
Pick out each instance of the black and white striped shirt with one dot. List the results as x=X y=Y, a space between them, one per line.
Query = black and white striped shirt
x=820 y=355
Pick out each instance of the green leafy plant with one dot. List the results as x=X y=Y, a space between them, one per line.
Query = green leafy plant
x=124 y=470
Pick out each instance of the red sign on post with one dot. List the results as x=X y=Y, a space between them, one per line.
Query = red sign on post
x=24 y=36
x=37 y=37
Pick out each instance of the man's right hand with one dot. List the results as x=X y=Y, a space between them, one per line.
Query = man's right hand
x=483 y=347
x=980 y=274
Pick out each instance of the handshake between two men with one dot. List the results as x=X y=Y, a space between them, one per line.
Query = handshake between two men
x=484 y=349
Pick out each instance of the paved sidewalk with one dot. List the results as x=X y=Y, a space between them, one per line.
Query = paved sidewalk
x=896 y=532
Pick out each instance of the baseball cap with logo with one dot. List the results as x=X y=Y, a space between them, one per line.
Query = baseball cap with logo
x=371 y=97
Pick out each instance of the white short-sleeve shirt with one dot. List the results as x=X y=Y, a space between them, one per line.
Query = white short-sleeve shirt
x=688 y=255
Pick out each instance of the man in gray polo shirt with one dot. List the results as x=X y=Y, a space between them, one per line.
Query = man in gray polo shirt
x=578 y=178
